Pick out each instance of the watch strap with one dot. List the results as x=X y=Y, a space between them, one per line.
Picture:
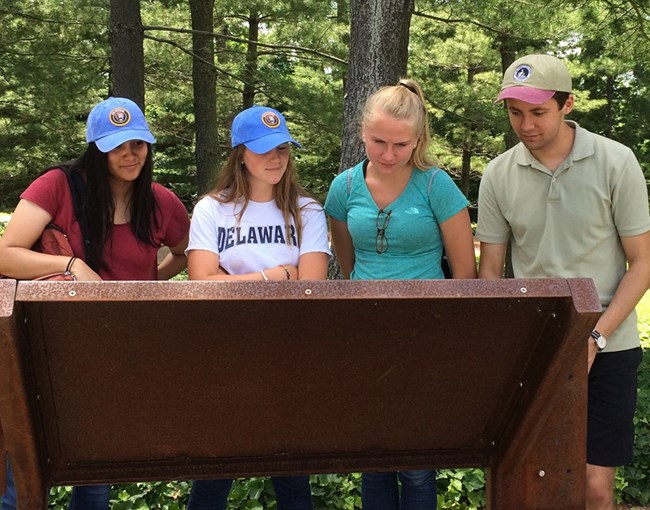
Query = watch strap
x=599 y=339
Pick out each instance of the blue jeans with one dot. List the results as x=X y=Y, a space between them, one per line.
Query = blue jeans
x=292 y=493
x=379 y=491
x=90 y=497
x=9 y=496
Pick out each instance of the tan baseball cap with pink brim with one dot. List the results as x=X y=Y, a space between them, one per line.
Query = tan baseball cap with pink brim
x=535 y=79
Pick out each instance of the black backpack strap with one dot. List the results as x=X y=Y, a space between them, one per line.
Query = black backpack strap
x=78 y=191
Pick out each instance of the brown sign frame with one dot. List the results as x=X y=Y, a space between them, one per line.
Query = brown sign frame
x=126 y=381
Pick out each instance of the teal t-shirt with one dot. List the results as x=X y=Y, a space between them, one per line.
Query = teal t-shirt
x=414 y=245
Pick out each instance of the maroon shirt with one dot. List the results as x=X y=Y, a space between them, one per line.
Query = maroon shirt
x=126 y=257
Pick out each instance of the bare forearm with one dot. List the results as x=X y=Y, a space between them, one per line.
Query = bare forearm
x=25 y=264
x=171 y=265
x=632 y=288
x=313 y=266
x=491 y=261
x=279 y=273
x=633 y=285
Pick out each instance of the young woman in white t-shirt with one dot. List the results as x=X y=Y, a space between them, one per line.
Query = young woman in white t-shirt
x=257 y=224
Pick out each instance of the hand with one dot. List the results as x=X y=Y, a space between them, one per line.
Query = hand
x=83 y=272
x=591 y=353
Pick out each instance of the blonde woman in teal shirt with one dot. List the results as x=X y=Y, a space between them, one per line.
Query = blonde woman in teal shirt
x=391 y=215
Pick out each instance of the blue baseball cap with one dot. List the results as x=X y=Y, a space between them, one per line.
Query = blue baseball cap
x=114 y=121
x=261 y=129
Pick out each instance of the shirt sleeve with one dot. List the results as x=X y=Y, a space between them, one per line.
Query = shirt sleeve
x=630 y=200
x=314 y=229
x=336 y=203
x=446 y=199
x=176 y=222
x=48 y=191
x=203 y=227
x=492 y=227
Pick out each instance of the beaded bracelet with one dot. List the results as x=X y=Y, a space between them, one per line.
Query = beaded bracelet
x=286 y=271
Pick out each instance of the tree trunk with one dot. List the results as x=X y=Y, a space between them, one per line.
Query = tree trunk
x=467 y=145
x=508 y=56
x=127 y=53
x=610 y=85
x=379 y=37
x=204 y=78
x=250 y=71
x=465 y=170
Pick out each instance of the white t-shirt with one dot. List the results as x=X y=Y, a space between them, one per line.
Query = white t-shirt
x=258 y=241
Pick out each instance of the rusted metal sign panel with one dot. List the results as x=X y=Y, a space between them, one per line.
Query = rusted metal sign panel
x=119 y=381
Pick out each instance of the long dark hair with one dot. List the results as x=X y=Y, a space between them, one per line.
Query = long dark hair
x=88 y=177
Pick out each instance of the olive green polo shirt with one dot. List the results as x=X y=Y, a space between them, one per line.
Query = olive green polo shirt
x=568 y=223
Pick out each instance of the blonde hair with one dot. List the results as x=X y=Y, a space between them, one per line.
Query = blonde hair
x=233 y=185
x=404 y=101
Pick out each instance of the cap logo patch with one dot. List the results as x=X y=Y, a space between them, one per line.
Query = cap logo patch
x=119 y=116
x=522 y=73
x=270 y=119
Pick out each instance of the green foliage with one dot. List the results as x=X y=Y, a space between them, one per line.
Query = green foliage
x=52 y=69
x=612 y=77
x=142 y=496
x=59 y=498
x=461 y=489
x=55 y=61
x=134 y=496
x=633 y=482
x=337 y=491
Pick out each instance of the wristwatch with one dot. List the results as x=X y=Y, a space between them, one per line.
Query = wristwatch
x=601 y=341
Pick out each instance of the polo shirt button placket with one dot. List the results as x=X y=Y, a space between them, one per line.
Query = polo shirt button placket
x=553 y=192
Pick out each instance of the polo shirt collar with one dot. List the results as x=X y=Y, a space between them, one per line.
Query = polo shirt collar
x=583 y=147
x=583 y=144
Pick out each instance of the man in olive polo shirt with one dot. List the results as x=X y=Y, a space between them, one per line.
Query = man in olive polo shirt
x=574 y=204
